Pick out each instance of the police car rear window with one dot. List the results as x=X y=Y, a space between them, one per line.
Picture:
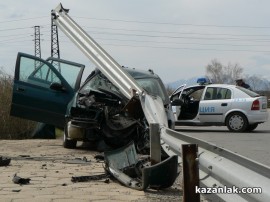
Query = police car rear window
x=249 y=92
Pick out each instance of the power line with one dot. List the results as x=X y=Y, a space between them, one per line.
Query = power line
x=182 y=48
x=145 y=22
x=33 y=18
x=197 y=49
x=7 y=40
x=181 y=24
x=181 y=37
x=15 y=41
x=1 y=30
x=14 y=35
x=179 y=43
x=181 y=33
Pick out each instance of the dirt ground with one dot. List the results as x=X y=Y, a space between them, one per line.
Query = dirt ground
x=50 y=168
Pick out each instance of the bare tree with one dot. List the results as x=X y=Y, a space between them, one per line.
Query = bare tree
x=223 y=74
x=213 y=71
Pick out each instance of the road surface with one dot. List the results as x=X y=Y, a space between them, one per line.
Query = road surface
x=254 y=145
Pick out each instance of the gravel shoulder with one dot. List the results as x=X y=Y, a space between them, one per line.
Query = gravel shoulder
x=50 y=168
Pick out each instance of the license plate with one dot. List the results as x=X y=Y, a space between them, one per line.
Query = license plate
x=264 y=105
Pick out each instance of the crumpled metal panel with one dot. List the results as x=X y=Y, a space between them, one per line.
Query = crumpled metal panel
x=122 y=157
x=161 y=175
x=158 y=176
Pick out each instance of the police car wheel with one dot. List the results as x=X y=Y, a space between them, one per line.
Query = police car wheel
x=237 y=122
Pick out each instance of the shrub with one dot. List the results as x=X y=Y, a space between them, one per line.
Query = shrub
x=11 y=127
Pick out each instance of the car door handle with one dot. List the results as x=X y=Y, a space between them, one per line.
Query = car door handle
x=224 y=104
x=20 y=89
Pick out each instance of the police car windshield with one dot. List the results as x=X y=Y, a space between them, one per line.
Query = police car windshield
x=247 y=91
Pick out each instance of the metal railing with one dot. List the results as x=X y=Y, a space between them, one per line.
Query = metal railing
x=222 y=168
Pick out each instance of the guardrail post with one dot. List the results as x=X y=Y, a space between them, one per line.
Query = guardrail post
x=155 y=147
x=190 y=172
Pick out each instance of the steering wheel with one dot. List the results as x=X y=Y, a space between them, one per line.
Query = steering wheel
x=186 y=100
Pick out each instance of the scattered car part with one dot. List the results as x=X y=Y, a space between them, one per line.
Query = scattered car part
x=89 y=178
x=125 y=165
x=18 y=180
x=78 y=161
x=4 y=161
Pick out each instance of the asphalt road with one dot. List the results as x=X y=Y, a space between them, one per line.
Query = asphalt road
x=254 y=145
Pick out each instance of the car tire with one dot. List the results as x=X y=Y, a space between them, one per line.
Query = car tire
x=237 y=122
x=69 y=144
x=252 y=127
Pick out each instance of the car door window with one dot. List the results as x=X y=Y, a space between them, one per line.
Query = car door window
x=68 y=71
x=36 y=72
x=196 y=95
x=216 y=93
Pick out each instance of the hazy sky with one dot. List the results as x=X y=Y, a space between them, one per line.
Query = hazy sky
x=175 y=38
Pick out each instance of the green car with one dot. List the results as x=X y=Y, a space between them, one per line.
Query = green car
x=49 y=91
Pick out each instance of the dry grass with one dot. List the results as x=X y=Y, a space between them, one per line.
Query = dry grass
x=11 y=127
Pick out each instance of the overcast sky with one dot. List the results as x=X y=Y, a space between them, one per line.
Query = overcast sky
x=175 y=38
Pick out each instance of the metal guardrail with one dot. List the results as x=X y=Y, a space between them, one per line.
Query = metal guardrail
x=220 y=167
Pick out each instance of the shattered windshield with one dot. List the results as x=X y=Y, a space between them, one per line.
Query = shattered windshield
x=99 y=81
x=152 y=86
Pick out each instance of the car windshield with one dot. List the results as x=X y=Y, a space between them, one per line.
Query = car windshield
x=247 y=91
x=152 y=85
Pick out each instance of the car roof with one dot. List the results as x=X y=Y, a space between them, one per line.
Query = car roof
x=214 y=85
x=136 y=74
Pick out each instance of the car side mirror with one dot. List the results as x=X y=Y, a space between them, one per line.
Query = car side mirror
x=177 y=102
x=57 y=87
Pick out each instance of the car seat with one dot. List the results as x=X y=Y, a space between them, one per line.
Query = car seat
x=207 y=96
x=219 y=96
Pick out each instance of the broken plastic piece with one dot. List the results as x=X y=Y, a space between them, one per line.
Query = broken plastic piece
x=18 y=180
x=90 y=178
x=4 y=161
x=124 y=165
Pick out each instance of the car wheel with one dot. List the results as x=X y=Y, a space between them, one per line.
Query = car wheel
x=237 y=122
x=252 y=127
x=69 y=144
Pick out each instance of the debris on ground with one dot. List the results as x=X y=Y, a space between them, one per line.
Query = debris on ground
x=18 y=180
x=4 y=161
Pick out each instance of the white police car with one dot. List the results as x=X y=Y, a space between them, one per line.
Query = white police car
x=204 y=104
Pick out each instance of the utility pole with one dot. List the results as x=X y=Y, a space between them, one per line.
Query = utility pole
x=55 y=51
x=37 y=45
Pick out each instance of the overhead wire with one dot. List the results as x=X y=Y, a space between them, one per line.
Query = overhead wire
x=181 y=24
x=181 y=33
x=161 y=36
